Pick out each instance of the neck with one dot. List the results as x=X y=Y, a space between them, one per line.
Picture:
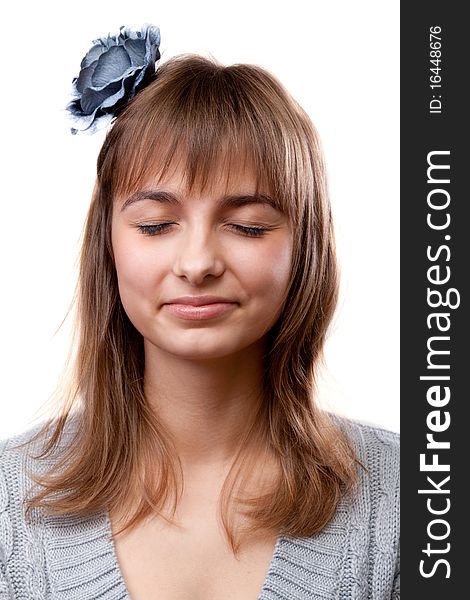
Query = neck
x=206 y=406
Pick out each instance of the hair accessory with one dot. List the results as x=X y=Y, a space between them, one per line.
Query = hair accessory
x=113 y=71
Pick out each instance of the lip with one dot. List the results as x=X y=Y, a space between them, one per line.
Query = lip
x=199 y=308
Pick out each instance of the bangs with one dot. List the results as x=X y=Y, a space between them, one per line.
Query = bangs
x=209 y=121
x=219 y=160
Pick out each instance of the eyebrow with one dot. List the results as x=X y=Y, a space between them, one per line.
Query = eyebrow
x=230 y=201
x=163 y=197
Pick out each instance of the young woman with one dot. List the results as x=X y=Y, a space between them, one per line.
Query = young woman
x=191 y=460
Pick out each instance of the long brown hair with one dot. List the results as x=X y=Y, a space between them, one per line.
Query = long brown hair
x=198 y=111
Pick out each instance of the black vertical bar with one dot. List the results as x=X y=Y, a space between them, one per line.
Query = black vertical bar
x=435 y=254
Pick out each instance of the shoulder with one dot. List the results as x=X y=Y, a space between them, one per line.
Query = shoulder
x=21 y=458
x=22 y=535
x=377 y=448
x=377 y=451
x=375 y=507
x=16 y=463
x=372 y=510
x=16 y=456
x=362 y=538
x=360 y=432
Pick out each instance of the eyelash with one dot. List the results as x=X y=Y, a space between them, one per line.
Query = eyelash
x=153 y=229
x=160 y=228
x=249 y=231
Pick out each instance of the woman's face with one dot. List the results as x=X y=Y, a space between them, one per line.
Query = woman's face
x=202 y=274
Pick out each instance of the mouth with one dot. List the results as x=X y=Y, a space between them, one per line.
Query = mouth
x=199 y=308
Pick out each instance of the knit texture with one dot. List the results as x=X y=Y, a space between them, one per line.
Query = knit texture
x=355 y=557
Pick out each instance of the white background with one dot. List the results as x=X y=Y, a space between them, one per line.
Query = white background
x=339 y=59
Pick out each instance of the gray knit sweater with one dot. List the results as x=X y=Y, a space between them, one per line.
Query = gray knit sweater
x=355 y=557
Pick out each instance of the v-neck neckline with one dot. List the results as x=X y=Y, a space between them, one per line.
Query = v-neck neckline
x=82 y=559
x=80 y=555
x=122 y=581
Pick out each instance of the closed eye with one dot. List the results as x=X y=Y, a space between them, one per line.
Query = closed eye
x=160 y=228
x=249 y=230
x=157 y=229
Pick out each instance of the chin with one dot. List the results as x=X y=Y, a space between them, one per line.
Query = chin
x=198 y=347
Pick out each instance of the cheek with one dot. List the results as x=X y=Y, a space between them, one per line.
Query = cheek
x=136 y=270
x=268 y=271
x=282 y=266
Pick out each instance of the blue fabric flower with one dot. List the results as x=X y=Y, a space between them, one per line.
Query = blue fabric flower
x=114 y=69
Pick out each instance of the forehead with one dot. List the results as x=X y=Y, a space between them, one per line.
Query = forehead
x=227 y=173
x=223 y=177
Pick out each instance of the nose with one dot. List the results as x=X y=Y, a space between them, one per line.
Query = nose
x=198 y=258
